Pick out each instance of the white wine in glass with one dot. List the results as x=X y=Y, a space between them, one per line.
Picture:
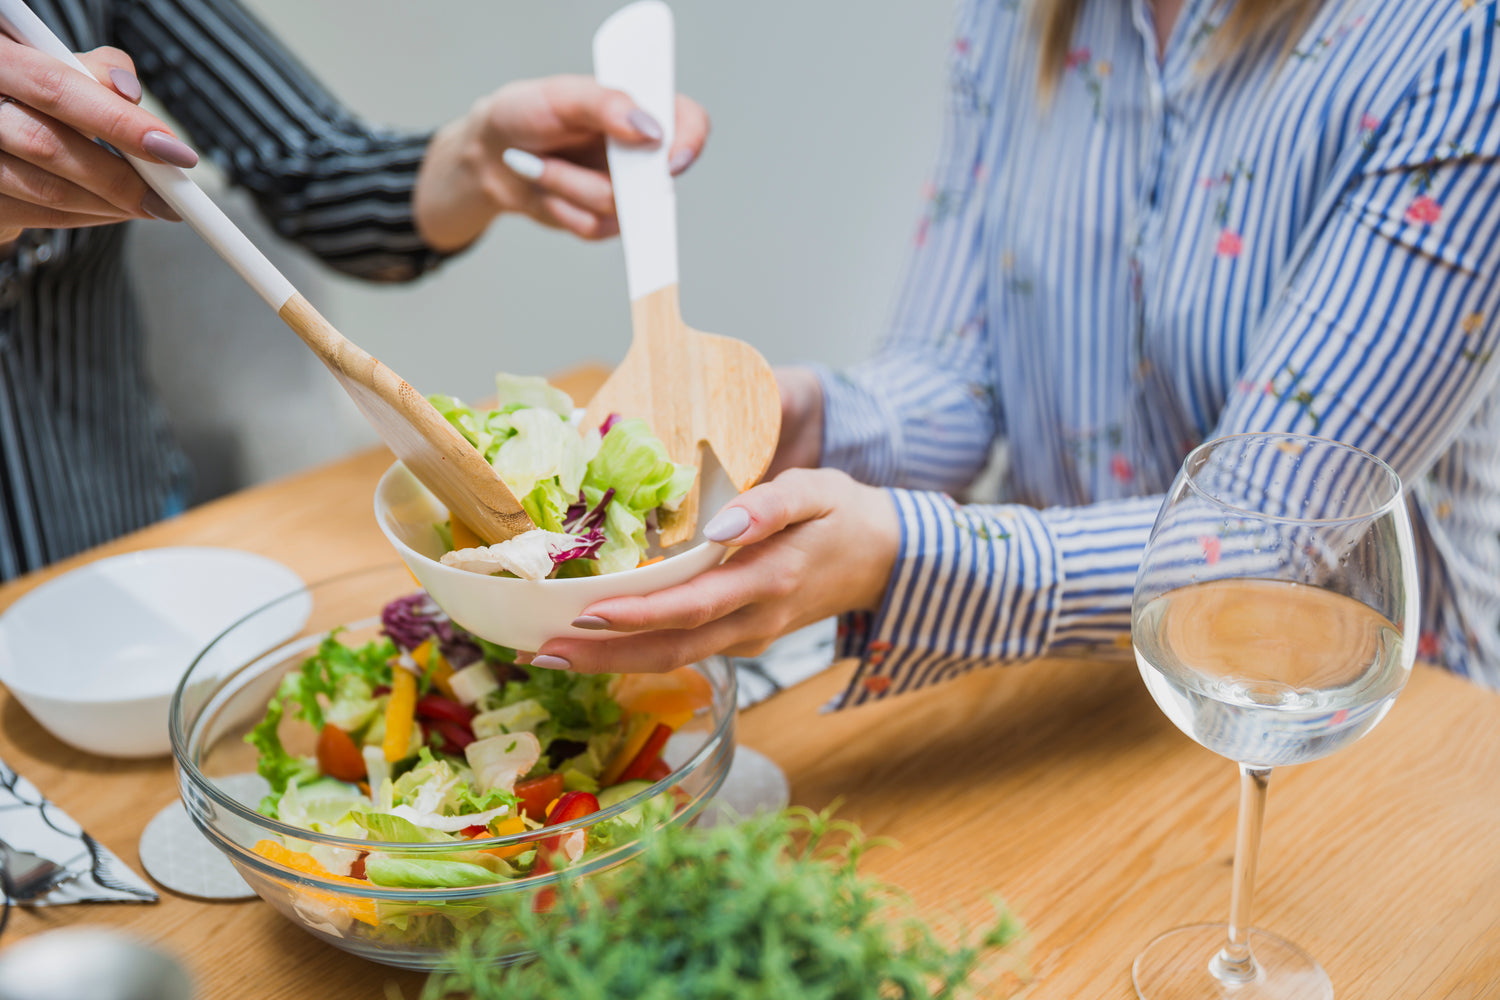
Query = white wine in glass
x=1270 y=620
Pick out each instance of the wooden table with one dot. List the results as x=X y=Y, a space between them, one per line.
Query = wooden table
x=1058 y=785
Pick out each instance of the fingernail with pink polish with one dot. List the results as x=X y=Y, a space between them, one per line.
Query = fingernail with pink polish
x=681 y=160
x=126 y=83
x=156 y=206
x=644 y=124
x=548 y=662
x=169 y=150
x=590 y=621
x=727 y=524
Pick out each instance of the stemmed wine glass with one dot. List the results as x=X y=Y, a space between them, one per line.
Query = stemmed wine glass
x=1274 y=622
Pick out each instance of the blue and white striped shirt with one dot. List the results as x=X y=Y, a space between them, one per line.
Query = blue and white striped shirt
x=1170 y=252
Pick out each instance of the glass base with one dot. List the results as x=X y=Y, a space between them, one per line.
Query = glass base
x=1176 y=966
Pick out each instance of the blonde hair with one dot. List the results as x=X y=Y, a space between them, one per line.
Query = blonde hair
x=1250 y=21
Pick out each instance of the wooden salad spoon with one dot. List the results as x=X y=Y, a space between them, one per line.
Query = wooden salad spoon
x=422 y=439
x=693 y=388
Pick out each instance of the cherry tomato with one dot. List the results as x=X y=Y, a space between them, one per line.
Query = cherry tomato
x=658 y=770
x=338 y=757
x=535 y=793
x=477 y=830
x=435 y=706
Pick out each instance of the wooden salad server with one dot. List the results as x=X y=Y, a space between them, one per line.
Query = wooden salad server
x=430 y=447
x=693 y=388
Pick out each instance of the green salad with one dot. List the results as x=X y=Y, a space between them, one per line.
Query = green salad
x=428 y=734
x=592 y=495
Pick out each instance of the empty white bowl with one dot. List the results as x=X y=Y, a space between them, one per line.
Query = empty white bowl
x=95 y=654
x=523 y=614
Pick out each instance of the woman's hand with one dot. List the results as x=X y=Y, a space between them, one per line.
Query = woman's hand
x=814 y=543
x=537 y=147
x=52 y=174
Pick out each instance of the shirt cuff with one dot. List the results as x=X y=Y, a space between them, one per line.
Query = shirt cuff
x=972 y=586
x=858 y=430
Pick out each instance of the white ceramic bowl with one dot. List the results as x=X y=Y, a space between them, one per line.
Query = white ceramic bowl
x=95 y=654
x=523 y=614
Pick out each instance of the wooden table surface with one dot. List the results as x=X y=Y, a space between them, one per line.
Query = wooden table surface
x=1057 y=785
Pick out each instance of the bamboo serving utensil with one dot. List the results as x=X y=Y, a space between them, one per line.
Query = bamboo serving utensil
x=693 y=388
x=421 y=438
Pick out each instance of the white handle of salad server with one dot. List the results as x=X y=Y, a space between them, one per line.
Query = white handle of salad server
x=633 y=53
x=19 y=22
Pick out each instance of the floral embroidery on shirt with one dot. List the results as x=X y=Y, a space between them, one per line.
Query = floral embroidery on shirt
x=1317 y=48
x=1472 y=323
x=980 y=531
x=1302 y=397
x=1089 y=446
x=1224 y=184
x=1212 y=548
x=1092 y=73
x=1424 y=210
x=1230 y=244
x=1014 y=281
x=1121 y=469
x=878 y=683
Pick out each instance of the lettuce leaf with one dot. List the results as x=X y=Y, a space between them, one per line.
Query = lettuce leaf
x=425 y=873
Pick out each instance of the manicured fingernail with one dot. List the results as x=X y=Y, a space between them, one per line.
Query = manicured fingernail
x=590 y=621
x=156 y=206
x=644 y=124
x=727 y=524
x=523 y=163
x=169 y=150
x=681 y=160
x=126 y=83
x=548 y=662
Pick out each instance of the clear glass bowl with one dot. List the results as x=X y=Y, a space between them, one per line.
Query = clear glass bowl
x=224 y=694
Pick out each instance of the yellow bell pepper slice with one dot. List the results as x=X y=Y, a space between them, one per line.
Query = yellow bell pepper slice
x=504 y=828
x=436 y=666
x=362 y=910
x=400 y=714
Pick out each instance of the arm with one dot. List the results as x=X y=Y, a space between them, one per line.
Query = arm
x=382 y=204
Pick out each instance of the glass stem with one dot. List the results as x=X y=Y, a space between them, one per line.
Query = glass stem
x=1234 y=963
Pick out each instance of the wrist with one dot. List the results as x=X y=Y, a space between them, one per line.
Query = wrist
x=458 y=193
x=882 y=543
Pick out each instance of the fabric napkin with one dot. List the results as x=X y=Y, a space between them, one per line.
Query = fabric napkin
x=28 y=822
x=789 y=660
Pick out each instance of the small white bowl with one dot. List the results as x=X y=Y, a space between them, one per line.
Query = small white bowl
x=95 y=654
x=523 y=614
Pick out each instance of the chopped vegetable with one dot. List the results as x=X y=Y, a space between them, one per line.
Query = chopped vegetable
x=670 y=693
x=500 y=761
x=538 y=793
x=640 y=730
x=338 y=756
x=400 y=713
x=649 y=754
x=472 y=683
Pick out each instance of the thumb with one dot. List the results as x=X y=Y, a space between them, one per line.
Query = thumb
x=795 y=496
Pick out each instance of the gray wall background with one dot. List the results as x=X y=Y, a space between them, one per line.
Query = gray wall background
x=793 y=227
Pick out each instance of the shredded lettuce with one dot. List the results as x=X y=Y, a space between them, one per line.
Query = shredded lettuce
x=425 y=873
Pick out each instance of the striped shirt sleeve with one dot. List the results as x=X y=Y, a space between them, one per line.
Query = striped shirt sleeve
x=1383 y=339
x=323 y=178
x=922 y=414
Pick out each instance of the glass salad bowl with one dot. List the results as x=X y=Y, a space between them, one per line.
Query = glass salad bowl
x=224 y=695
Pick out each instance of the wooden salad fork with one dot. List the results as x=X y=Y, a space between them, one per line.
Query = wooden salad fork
x=422 y=439
x=693 y=388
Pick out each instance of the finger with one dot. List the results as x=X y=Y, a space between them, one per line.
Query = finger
x=114 y=69
x=690 y=135
x=582 y=104
x=44 y=142
x=29 y=183
x=566 y=215
x=750 y=578
x=17 y=214
x=649 y=652
x=62 y=93
x=587 y=189
x=794 y=496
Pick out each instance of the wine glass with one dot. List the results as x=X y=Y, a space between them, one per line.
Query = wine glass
x=1274 y=622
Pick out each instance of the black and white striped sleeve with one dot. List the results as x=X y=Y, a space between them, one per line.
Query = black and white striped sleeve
x=325 y=179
